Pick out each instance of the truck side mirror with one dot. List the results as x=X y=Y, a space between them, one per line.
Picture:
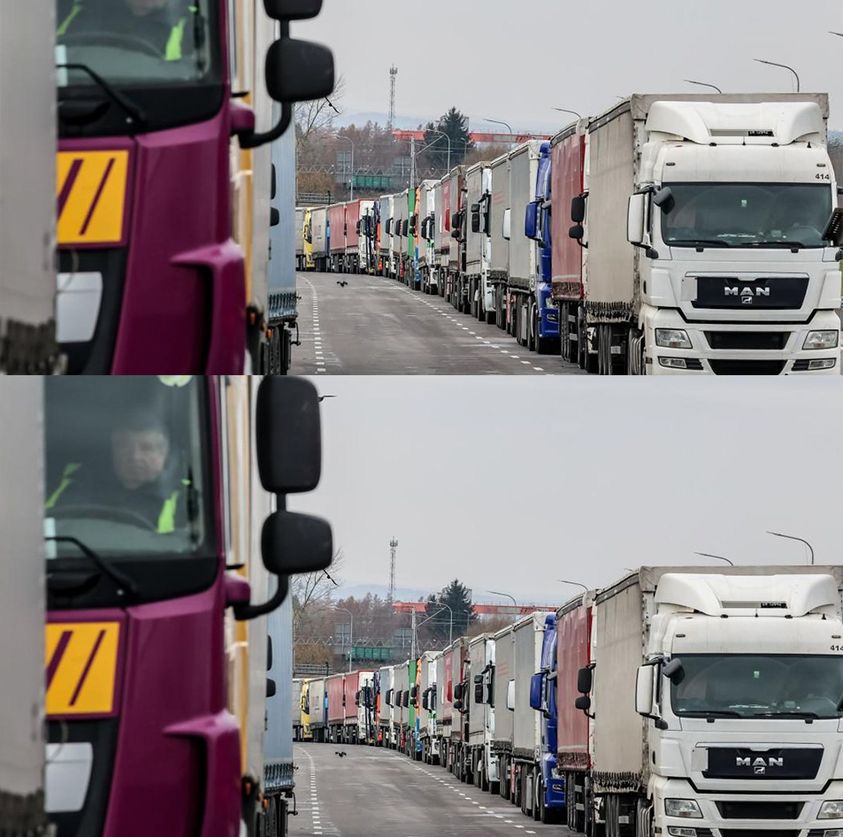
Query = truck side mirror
x=475 y=217
x=298 y=71
x=578 y=209
x=458 y=691
x=584 y=680
x=531 y=221
x=636 y=219
x=576 y=232
x=583 y=703
x=674 y=671
x=536 y=689
x=405 y=698
x=664 y=200
x=478 y=691
x=458 y=705
x=644 y=690
x=510 y=695
x=834 y=228
x=271 y=688
x=288 y=435
x=292 y=9
x=358 y=228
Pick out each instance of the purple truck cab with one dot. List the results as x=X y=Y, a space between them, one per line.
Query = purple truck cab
x=151 y=280
x=141 y=738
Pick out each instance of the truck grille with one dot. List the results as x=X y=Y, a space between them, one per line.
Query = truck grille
x=760 y=766
x=747 y=367
x=776 y=293
x=759 y=832
x=760 y=810
x=763 y=340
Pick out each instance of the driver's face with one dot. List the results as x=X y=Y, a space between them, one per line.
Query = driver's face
x=143 y=7
x=139 y=456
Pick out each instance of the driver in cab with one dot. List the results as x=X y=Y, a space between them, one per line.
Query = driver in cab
x=163 y=24
x=140 y=480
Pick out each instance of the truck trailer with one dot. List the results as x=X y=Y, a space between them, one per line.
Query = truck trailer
x=496 y=295
x=504 y=696
x=712 y=699
x=317 y=704
x=481 y=723
x=427 y=707
x=709 y=247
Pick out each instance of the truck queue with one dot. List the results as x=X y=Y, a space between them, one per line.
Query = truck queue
x=683 y=701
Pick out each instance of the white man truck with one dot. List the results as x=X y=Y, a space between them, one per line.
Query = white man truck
x=481 y=724
x=727 y=202
x=427 y=708
x=714 y=700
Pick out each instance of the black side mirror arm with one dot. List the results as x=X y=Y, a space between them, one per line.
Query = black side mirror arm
x=253 y=139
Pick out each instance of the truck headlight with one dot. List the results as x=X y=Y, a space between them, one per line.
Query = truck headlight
x=831 y=809
x=681 y=831
x=675 y=338
x=682 y=808
x=822 y=340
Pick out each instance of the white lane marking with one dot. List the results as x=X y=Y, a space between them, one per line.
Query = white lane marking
x=538 y=369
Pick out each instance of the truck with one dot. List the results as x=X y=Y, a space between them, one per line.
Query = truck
x=426 y=238
x=336 y=709
x=337 y=232
x=427 y=707
x=710 y=234
x=503 y=685
x=496 y=289
x=542 y=313
x=22 y=756
x=523 y=265
x=304 y=712
x=385 y=232
x=470 y=282
x=300 y=237
x=567 y=176
x=401 y=231
x=442 y=240
x=319 y=234
x=456 y=242
x=164 y=182
x=359 y=705
x=296 y=708
x=156 y=636
x=385 y=692
x=400 y=705
x=366 y=256
x=28 y=340
x=713 y=702
x=307 y=262
x=550 y=795
x=317 y=704
x=481 y=723
x=458 y=762
x=411 y=274
x=525 y=768
x=444 y=705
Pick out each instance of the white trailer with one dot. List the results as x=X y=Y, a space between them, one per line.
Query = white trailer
x=456 y=237
x=400 y=704
x=384 y=691
x=523 y=265
x=366 y=255
x=426 y=237
x=478 y=181
x=22 y=605
x=317 y=701
x=28 y=196
x=359 y=707
x=525 y=770
x=444 y=701
x=499 y=241
x=706 y=220
x=427 y=707
x=714 y=701
x=441 y=230
x=481 y=722
x=504 y=697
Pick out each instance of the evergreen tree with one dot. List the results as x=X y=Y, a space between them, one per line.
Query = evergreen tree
x=457 y=597
x=455 y=125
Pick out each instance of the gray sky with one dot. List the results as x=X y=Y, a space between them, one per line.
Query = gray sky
x=474 y=53
x=512 y=483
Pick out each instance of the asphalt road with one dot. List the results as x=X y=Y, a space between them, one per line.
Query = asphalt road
x=372 y=792
x=376 y=326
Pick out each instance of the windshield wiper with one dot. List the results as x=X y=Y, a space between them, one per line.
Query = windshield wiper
x=135 y=113
x=696 y=242
x=788 y=245
x=123 y=582
x=806 y=715
x=710 y=713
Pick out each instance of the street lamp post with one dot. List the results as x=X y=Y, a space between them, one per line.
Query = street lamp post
x=443 y=134
x=718 y=557
x=784 y=67
x=703 y=84
x=575 y=583
x=506 y=595
x=350 y=633
x=511 y=133
x=794 y=538
x=572 y=112
x=349 y=139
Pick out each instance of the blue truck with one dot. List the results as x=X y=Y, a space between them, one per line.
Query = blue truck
x=543 y=334
x=551 y=796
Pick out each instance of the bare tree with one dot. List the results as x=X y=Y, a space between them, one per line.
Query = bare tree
x=312 y=588
x=318 y=115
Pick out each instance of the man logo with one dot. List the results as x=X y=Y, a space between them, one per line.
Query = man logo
x=747 y=295
x=759 y=765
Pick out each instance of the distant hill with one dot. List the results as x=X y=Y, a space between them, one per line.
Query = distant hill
x=835 y=139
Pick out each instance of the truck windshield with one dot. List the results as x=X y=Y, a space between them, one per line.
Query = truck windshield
x=747 y=215
x=759 y=686
x=162 y=55
x=126 y=476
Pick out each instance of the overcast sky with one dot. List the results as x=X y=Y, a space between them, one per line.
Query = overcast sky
x=515 y=60
x=512 y=483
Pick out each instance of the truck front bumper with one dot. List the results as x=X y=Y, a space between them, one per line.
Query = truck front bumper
x=715 y=346
x=725 y=815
